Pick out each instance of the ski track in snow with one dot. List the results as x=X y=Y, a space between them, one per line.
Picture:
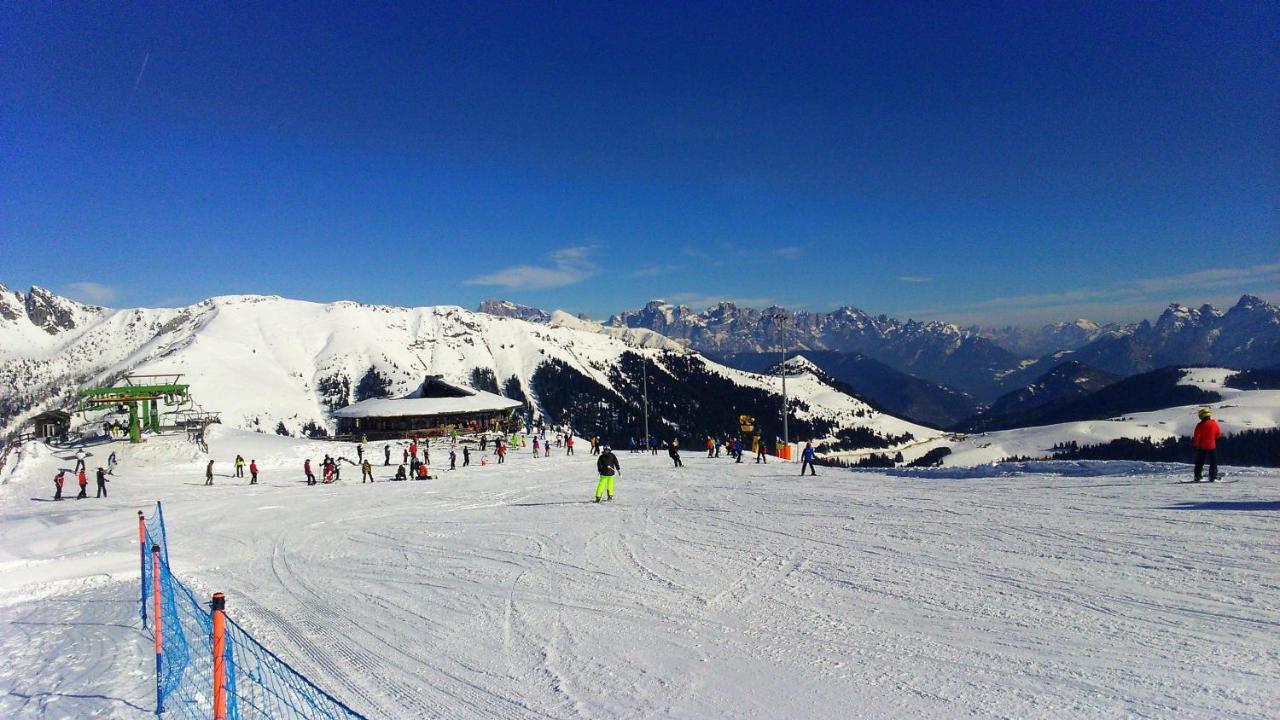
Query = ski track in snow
x=716 y=590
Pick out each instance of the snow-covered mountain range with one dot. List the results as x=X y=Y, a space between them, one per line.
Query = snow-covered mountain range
x=267 y=362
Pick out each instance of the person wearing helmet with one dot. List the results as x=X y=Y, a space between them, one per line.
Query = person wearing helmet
x=607 y=465
x=1205 y=441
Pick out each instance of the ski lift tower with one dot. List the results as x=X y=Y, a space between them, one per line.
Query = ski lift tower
x=142 y=394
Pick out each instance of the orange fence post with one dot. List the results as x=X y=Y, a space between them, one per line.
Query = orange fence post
x=155 y=582
x=219 y=657
x=142 y=560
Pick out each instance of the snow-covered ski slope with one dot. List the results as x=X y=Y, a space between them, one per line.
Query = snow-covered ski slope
x=261 y=360
x=1239 y=410
x=716 y=590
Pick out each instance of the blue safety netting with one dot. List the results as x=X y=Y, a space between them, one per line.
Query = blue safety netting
x=258 y=684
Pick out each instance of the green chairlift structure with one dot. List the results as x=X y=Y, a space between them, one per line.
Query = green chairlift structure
x=142 y=394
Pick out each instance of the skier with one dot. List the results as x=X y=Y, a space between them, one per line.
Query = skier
x=807 y=457
x=760 y=455
x=102 y=482
x=737 y=448
x=607 y=466
x=366 y=471
x=306 y=468
x=466 y=456
x=386 y=450
x=57 y=484
x=1205 y=441
x=239 y=466
x=84 y=485
x=80 y=456
x=426 y=453
x=568 y=444
x=111 y=463
x=653 y=445
x=502 y=452
x=360 y=452
x=595 y=445
x=711 y=447
x=253 y=472
x=208 y=473
x=453 y=460
x=404 y=459
x=484 y=439
x=535 y=445
x=673 y=450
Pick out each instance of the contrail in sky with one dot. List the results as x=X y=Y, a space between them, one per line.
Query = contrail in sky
x=137 y=83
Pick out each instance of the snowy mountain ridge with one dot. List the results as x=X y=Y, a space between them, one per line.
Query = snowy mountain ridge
x=267 y=362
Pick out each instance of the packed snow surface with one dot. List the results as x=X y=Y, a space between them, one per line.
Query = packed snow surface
x=714 y=590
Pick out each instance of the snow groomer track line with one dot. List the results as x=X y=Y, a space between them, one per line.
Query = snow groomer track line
x=206 y=665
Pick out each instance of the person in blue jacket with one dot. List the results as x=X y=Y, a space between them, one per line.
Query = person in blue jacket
x=807 y=456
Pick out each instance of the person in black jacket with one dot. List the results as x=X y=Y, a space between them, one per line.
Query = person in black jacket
x=607 y=466
x=673 y=449
x=102 y=482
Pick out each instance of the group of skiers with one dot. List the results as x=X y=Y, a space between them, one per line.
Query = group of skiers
x=81 y=472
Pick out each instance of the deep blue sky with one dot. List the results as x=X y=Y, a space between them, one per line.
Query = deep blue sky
x=996 y=162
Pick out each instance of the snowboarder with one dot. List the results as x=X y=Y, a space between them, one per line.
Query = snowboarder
x=84 y=485
x=807 y=456
x=253 y=472
x=453 y=460
x=423 y=472
x=111 y=463
x=595 y=445
x=760 y=454
x=653 y=445
x=1205 y=441
x=536 y=445
x=239 y=466
x=466 y=456
x=360 y=452
x=737 y=448
x=502 y=452
x=673 y=450
x=366 y=471
x=607 y=466
x=80 y=456
x=400 y=474
x=306 y=468
x=386 y=450
x=711 y=447
x=57 y=484
x=102 y=482
x=568 y=444
x=208 y=473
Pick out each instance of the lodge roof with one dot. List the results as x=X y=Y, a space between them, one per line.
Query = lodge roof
x=433 y=397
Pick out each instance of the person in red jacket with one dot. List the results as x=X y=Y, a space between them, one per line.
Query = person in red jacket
x=1205 y=441
x=253 y=472
x=84 y=485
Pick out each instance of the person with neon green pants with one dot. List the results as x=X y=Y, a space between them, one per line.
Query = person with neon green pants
x=607 y=465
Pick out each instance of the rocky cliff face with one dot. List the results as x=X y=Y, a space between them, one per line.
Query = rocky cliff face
x=936 y=351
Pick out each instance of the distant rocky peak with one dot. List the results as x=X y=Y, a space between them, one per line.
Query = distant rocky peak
x=506 y=308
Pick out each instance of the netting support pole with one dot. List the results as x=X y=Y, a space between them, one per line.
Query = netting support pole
x=219 y=606
x=142 y=566
x=155 y=587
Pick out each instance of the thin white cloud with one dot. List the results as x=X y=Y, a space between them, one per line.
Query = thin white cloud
x=653 y=271
x=92 y=292
x=1127 y=300
x=915 y=278
x=1146 y=288
x=790 y=252
x=569 y=266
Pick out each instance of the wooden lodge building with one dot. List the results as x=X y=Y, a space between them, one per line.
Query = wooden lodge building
x=433 y=409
